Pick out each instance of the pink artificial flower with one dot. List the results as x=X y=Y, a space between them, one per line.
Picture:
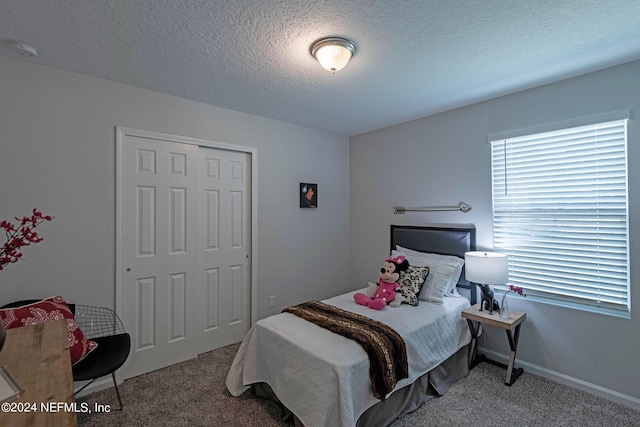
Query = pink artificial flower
x=7 y=226
x=19 y=237
x=517 y=289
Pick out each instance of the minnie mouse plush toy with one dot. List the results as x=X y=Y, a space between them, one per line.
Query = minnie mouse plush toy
x=384 y=292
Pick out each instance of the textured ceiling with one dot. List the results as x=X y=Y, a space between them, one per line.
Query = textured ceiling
x=414 y=58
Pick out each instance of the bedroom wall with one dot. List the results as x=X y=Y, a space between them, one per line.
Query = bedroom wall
x=57 y=153
x=445 y=158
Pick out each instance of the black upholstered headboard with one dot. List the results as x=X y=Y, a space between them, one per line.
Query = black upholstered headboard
x=444 y=240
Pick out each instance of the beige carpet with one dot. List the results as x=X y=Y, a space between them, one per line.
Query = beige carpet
x=193 y=393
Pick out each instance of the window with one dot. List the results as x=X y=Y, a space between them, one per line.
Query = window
x=560 y=213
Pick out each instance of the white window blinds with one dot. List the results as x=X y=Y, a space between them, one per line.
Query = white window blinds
x=560 y=213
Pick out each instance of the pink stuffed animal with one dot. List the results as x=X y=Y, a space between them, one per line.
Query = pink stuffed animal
x=384 y=292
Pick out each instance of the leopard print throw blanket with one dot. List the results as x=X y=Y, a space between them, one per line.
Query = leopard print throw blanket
x=384 y=346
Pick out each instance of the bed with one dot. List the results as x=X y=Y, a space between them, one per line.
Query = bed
x=323 y=378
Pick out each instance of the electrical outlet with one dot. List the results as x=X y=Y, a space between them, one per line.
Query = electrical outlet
x=272 y=301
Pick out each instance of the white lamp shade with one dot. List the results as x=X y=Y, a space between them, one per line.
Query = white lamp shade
x=333 y=53
x=486 y=268
x=333 y=57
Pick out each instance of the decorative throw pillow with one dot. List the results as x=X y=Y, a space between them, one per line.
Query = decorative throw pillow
x=48 y=310
x=411 y=282
x=444 y=275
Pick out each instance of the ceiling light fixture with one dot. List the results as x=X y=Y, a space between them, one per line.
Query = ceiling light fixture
x=22 y=48
x=333 y=53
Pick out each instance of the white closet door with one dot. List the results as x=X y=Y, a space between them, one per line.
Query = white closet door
x=185 y=221
x=225 y=206
x=159 y=237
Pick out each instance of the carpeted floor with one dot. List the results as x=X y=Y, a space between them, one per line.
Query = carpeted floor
x=193 y=393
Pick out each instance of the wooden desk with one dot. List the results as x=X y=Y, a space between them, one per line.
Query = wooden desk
x=513 y=323
x=38 y=357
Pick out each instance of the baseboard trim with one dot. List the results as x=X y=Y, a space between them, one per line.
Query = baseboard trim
x=558 y=377
x=99 y=384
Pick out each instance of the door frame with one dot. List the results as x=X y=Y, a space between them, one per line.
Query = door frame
x=121 y=134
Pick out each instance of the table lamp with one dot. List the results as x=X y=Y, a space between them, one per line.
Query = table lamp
x=484 y=269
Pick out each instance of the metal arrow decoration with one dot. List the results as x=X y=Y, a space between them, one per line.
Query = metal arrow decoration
x=462 y=207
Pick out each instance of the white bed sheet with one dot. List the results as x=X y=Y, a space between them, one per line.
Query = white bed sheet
x=322 y=377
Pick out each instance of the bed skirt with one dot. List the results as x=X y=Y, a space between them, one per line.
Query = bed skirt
x=409 y=398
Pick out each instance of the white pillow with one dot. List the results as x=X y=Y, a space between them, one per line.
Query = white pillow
x=435 y=285
x=448 y=269
x=411 y=252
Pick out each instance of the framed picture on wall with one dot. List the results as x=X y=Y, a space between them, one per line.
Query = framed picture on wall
x=308 y=195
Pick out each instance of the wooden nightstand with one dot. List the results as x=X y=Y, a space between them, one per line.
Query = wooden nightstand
x=513 y=323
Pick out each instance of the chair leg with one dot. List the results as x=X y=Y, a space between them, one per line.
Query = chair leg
x=113 y=375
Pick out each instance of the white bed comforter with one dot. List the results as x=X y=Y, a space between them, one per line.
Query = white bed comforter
x=322 y=377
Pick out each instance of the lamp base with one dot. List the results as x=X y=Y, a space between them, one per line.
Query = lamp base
x=488 y=301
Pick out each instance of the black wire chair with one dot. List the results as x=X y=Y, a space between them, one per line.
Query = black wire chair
x=103 y=326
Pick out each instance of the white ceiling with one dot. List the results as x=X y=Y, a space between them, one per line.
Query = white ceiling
x=414 y=58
